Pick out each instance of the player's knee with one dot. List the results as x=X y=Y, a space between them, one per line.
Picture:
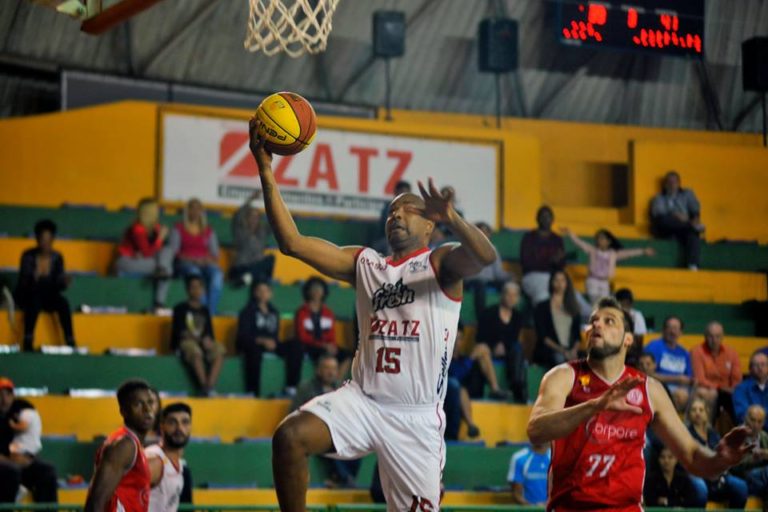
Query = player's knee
x=481 y=351
x=287 y=437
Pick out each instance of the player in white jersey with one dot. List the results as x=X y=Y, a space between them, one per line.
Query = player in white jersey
x=165 y=459
x=408 y=312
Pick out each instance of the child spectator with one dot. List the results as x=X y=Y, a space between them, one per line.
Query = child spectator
x=192 y=336
x=557 y=323
x=603 y=257
x=315 y=325
x=527 y=475
x=197 y=251
x=249 y=233
x=257 y=332
x=142 y=252
x=41 y=280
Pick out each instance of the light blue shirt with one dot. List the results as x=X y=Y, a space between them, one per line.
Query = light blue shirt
x=675 y=361
x=530 y=469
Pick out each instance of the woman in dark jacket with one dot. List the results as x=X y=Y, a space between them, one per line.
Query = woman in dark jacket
x=557 y=323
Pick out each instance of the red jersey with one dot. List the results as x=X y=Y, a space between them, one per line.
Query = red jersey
x=132 y=494
x=600 y=465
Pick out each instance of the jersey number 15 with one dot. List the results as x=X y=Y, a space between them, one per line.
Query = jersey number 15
x=388 y=360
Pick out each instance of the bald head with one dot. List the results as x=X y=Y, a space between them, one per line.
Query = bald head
x=758 y=367
x=713 y=334
x=407 y=228
x=754 y=419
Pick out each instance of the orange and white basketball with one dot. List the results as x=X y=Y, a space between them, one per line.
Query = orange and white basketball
x=288 y=123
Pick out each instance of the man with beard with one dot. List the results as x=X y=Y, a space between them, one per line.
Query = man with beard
x=165 y=465
x=121 y=480
x=596 y=411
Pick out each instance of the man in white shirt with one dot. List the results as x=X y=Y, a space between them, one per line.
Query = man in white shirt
x=165 y=459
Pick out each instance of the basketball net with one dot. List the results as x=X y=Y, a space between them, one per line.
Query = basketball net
x=273 y=27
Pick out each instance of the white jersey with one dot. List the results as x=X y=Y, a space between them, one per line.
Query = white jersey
x=407 y=329
x=165 y=495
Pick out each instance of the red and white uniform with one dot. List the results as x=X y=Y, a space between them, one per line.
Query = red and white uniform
x=166 y=494
x=600 y=465
x=393 y=405
x=132 y=494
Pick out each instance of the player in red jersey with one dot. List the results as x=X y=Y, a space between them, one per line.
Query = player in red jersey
x=596 y=411
x=121 y=481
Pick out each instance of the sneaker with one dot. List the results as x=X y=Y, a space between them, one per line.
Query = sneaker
x=694 y=268
x=500 y=394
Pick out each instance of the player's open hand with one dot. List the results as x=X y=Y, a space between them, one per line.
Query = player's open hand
x=615 y=399
x=438 y=205
x=262 y=156
x=734 y=445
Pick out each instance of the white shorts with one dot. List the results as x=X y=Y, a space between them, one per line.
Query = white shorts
x=408 y=441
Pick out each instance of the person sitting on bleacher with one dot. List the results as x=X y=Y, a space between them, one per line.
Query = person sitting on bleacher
x=754 y=467
x=527 y=475
x=753 y=390
x=142 y=251
x=41 y=282
x=716 y=370
x=673 y=362
x=315 y=325
x=20 y=429
x=196 y=248
x=541 y=252
x=727 y=487
x=675 y=212
x=669 y=485
x=258 y=328
x=474 y=369
x=557 y=323
x=627 y=301
x=192 y=336
x=249 y=235
x=498 y=327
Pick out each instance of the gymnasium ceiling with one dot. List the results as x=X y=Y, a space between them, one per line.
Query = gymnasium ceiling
x=200 y=42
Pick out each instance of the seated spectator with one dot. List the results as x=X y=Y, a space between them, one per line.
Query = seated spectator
x=499 y=328
x=668 y=485
x=249 y=234
x=726 y=487
x=673 y=362
x=343 y=473
x=675 y=212
x=716 y=370
x=627 y=302
x=379 y=243
x=20 y=430
x=192 y=336
x=603 y=256
x=473 y=371
x=557 y=323
x=42 y=280
x=541 y=252
x=315 y=325
x=142 y=252
x=753 y=390
x=196 y=248
x=528 y=471
x=257 y=332
x=754 y=467
x=457 y=407
x=493 y=276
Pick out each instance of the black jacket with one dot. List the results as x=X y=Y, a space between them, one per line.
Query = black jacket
x=253 y=323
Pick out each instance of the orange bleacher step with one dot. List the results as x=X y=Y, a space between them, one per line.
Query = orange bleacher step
x=683 y=285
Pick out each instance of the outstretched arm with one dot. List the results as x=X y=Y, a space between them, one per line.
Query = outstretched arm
x=695 y=457
x=474 y=251
x=581 y=244
x=624 y=254
x=330 y=259
x=550 y=419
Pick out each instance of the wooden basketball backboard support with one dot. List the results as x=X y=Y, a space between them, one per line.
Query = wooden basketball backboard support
x=109 y=13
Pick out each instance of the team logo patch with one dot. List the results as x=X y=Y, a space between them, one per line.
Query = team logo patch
x=392 y=296
x=635 y=396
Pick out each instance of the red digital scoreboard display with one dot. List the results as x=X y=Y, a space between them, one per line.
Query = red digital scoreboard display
x=672 y=27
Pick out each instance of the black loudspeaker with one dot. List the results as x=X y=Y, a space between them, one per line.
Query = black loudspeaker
x=388 y=33
x=498 y=45
x=754 y=64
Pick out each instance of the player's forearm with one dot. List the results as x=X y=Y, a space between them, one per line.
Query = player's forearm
x=283 y=226
x=705 y=463
x=472 y=238
x=548 y=426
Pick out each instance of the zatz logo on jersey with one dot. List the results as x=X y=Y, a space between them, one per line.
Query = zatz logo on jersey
x=417 y=266
x=392 y=296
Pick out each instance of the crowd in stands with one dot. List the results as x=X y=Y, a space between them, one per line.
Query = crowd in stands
x=705 y=384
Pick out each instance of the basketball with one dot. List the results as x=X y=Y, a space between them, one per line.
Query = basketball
x=288 y=123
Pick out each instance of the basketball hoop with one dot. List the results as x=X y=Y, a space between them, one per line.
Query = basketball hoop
x=304 y=27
